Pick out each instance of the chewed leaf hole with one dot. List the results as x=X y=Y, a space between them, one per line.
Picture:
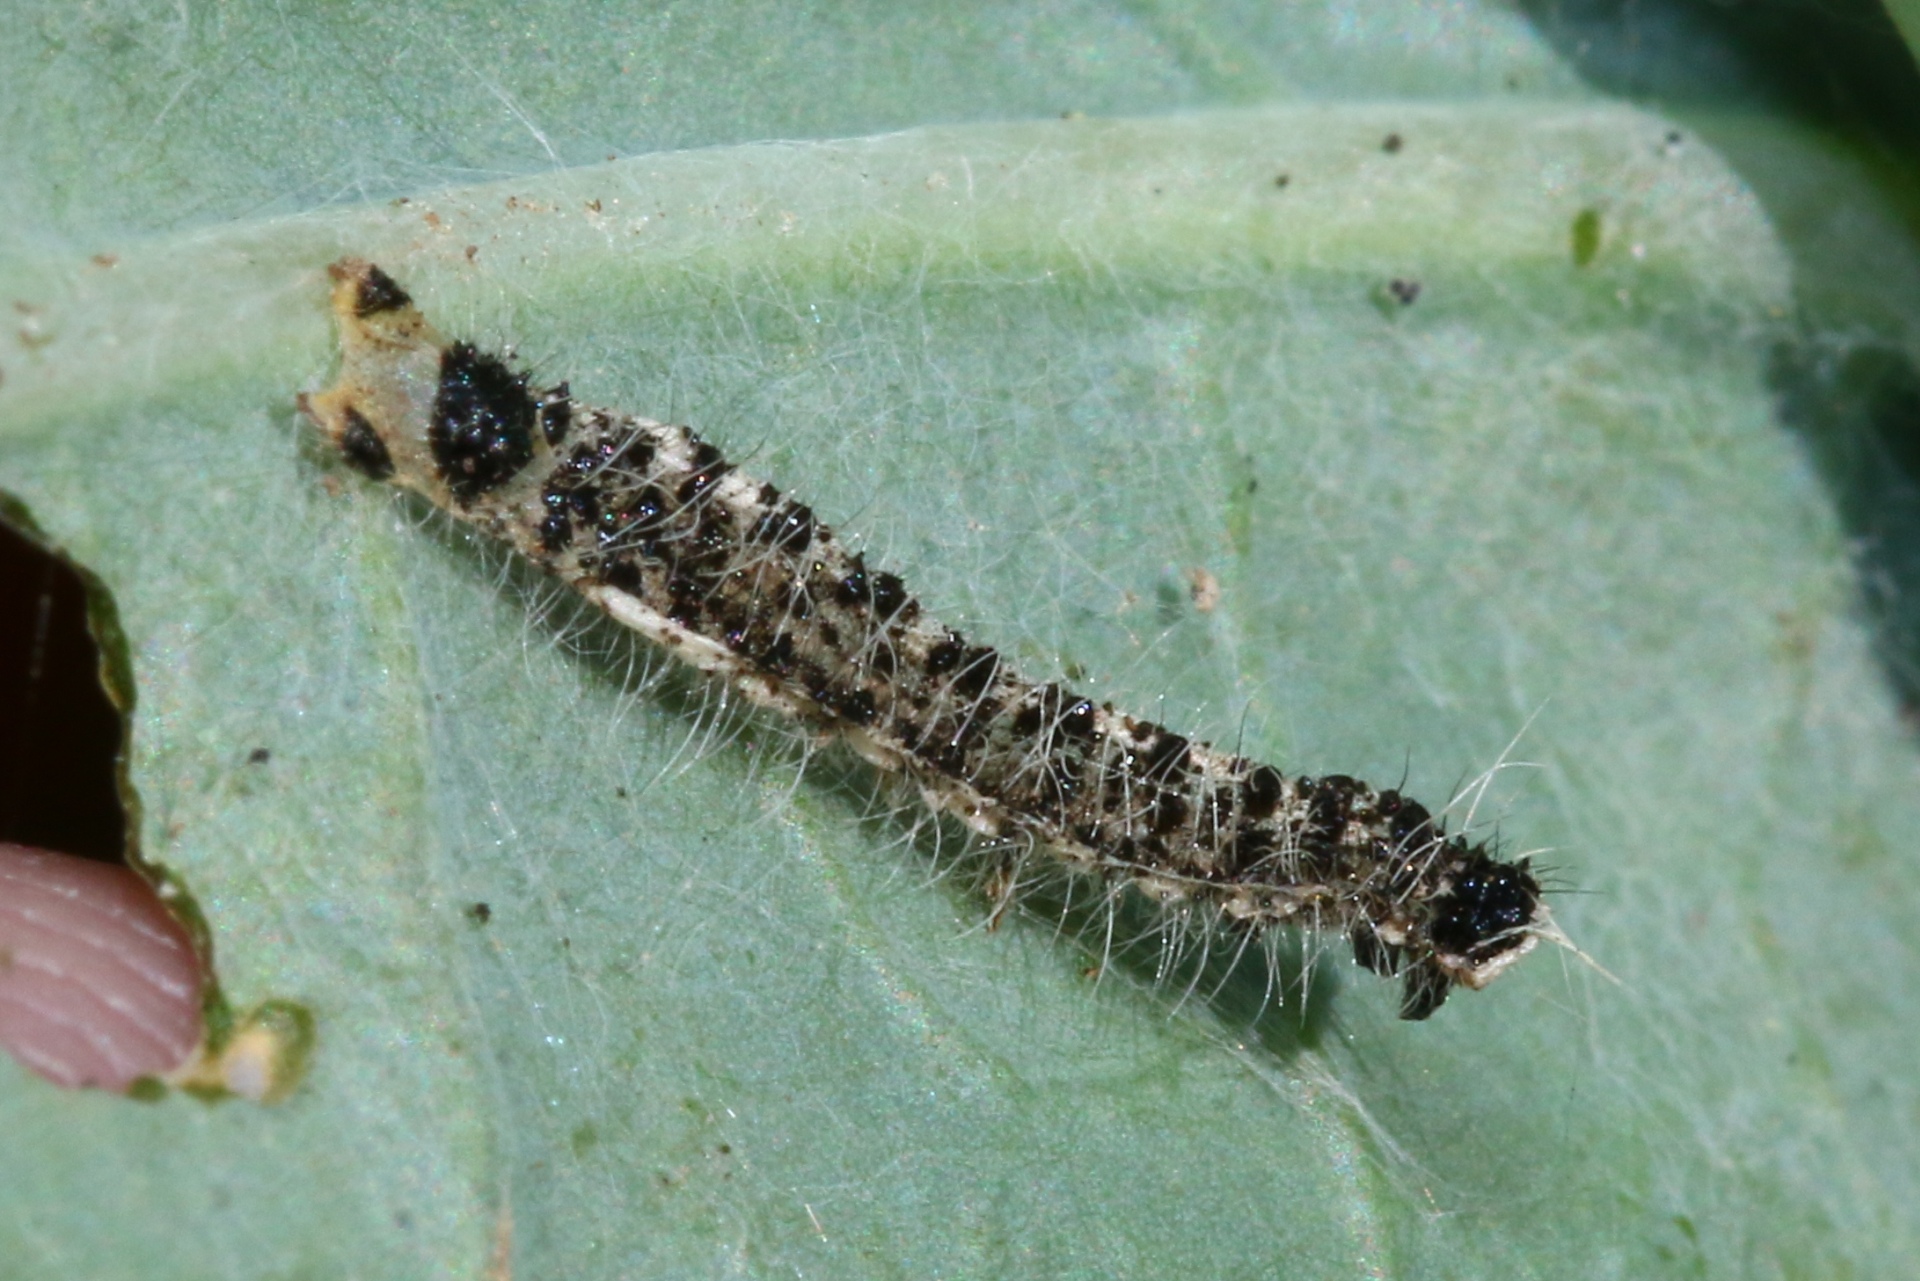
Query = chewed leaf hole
x=60 y=732
x=105 y=978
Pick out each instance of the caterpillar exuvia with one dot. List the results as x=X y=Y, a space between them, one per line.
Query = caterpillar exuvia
x=650 y=524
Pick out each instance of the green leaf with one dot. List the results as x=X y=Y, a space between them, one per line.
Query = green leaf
x=1589 y=484
x=1906 y=15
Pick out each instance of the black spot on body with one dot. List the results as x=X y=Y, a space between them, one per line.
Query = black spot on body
x=556 y=531
x=777 y=656
x=583 y=471
x=634 y=450
x=1408 y=819
x=646 y=512
x=584 y=458
x=611 y=529
x=853 y=590
x=584 y=503
x=1027 y=719
x=943 y=656
x=481 y=433
x=889 y=595
x=1168 y=811
x=972 y=730
x=1248 y=849
x=818 y=686
x=977 y=670
x=686 y=598
x=708 y=467
x=1078 y=719
x=633 y=526
x=1166 y=755
x=736 y=630
x=710 y=546
x=556 y=413
x=947 y=757
x=788 y=527
x=362 y=448
x=1330 y=804
x=694 y=486
x=1260 y=794
x=1059 y=784
x=620 y=572
x=856 y=705
x=376 y=292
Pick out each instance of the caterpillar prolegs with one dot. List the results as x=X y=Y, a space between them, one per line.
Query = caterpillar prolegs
x=653 y=526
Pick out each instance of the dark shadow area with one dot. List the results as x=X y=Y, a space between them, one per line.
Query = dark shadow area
x=60 y=733
x=1275 y=987
x=1859 y=411
x=1836 y=64
x=1848 y=384
x=1272 y=986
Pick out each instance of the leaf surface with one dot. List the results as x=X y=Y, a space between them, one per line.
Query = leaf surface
x=720 y=1018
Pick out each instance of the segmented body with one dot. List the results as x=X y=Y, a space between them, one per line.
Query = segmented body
x=655 y=527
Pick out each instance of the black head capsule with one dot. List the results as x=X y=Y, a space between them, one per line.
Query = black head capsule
x=1486 y=910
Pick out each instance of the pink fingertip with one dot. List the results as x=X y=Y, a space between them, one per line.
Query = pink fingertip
x=99 y=985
